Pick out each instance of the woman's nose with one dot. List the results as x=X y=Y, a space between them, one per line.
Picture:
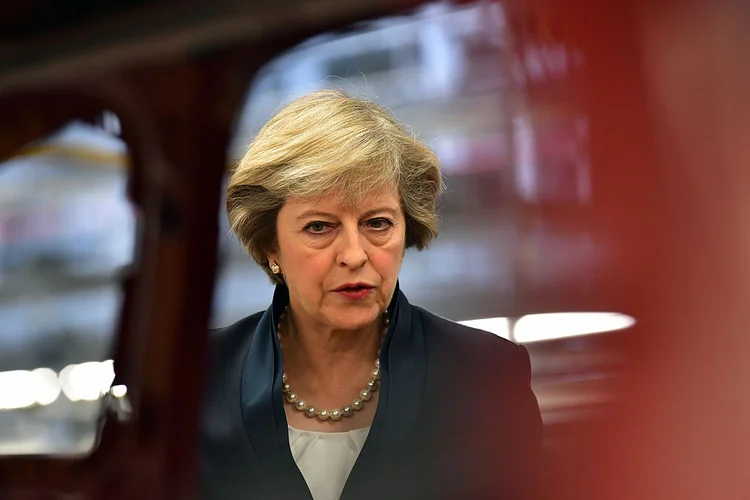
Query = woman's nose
x=351 y=251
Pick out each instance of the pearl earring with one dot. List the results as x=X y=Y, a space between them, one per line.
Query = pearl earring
x=275 y=269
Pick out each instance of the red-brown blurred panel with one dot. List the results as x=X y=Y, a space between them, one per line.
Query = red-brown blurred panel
x=665 y=87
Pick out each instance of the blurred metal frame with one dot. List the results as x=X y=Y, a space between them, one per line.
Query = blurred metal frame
x=34 y=113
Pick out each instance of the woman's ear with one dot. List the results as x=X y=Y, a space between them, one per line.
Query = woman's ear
x=273 y=263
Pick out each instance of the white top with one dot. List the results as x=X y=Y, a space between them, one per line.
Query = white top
x=326 y=458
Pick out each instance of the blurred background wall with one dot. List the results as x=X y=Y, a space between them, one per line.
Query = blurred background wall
x=518 y=239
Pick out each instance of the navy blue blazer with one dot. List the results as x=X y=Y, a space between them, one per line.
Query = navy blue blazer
x=456 y=418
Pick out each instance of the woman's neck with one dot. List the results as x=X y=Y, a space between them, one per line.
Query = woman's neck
x=318 y=350
x=328 y=369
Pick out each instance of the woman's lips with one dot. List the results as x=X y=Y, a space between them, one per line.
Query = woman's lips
x=355 y=292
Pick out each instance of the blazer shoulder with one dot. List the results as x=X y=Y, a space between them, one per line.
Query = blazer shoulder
x=231 y=337
x=228 y=347
x=474 y=349
x=466 y=336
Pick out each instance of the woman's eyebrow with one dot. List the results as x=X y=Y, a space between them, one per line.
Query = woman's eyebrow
x=314 y=213
x=374 y=211
x=318 y=213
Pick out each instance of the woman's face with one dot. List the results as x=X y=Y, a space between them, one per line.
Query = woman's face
x=341 y=265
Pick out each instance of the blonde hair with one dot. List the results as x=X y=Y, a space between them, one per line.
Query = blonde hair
x=328 y=143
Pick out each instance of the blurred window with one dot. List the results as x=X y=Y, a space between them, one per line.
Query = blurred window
x=369 y=62
x=67 y=235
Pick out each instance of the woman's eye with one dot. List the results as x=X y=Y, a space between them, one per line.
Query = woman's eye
x=379 y=224
x=316 y=227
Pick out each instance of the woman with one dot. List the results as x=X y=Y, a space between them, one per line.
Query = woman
x=341 y=388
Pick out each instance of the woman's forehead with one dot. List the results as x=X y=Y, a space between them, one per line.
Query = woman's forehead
x=347 y=203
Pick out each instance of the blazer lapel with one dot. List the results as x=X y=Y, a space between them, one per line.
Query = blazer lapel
x=263 y=408
x=403 y=367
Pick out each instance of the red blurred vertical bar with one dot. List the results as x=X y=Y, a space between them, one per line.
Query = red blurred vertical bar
x=697 y=80
x=665 y=87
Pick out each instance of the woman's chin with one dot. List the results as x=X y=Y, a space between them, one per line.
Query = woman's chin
x=356 y=320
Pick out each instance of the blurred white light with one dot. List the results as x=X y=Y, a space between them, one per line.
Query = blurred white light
x=48 y=386
x=87 y=381
x=538 y=327
x=23 y=388
x=119 y=391
x=17 y=389
x=498 y=326
x=111 y=123
x=84 y=382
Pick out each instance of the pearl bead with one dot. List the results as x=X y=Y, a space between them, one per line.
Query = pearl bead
x=376 y=374
x=291 y=397
x=335 y=414
x=286 y=388
x=310 y=411
x=372 y=386
x=357 y=404
x=365 y=395
x=283 y=378
x=377 y=365
x=347 y=411
x=300 y=405
x=323 y=414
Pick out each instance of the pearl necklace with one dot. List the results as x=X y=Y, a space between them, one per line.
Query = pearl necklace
x=310 y=411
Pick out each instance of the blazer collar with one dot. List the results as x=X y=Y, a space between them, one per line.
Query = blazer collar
x=262 y=405
x=402 y=365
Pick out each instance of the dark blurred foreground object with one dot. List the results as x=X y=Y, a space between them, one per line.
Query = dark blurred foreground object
x=665 y=88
